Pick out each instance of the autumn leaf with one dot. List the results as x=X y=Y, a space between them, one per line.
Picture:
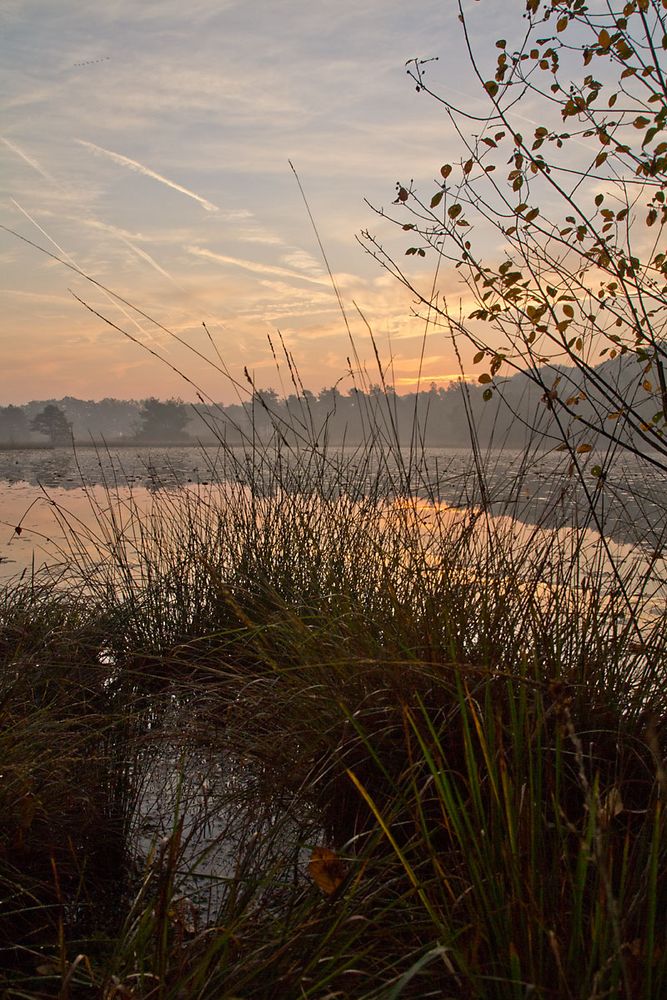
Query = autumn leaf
x=604 y=39
x=326 y=869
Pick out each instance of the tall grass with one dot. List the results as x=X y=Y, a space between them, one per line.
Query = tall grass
x=314 y=652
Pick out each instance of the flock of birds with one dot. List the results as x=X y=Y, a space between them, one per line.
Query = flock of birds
x=91 y=62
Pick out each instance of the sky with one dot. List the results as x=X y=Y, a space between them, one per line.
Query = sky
x=147 y=144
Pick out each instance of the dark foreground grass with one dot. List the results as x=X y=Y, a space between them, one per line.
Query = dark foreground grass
x=468 y=717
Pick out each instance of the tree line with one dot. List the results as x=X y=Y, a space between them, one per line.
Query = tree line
x=519 y=410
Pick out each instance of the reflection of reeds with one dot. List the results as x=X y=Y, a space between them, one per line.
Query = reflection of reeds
x=315 y=651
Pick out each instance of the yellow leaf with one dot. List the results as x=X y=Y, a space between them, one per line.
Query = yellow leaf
x=326 y=869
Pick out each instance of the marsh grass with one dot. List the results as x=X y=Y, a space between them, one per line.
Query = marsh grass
x=468 y=712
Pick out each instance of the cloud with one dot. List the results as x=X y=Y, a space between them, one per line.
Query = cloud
x=254 y=266
x=147 y=172
x=31 y=161
x=257 y=236
x=302 y=260
x=147 y=257
x=32 y=296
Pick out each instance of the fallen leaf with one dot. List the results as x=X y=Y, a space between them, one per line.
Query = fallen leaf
x=326 y=869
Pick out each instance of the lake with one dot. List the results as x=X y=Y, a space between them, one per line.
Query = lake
x=46 y=493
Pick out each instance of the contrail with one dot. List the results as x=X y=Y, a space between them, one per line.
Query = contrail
x=144 y=256
x=251 y=265
x=67 y=257
x=125 y=161
x=29 y=160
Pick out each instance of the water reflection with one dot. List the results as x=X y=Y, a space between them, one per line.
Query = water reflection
x=40 y=489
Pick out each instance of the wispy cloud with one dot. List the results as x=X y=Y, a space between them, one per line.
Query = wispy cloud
x=264 y=238
x=30 y=160
x=302 y=260
x=206 y=105
x=128 y=239
x=32 y=296
x=71 y=260
x=140 y=168
x=149 y=260
x=254 y=266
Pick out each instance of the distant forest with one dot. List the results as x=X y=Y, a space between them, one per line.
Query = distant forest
x=436 y=416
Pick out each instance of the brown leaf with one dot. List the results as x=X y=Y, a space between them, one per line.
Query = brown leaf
x=326 y=869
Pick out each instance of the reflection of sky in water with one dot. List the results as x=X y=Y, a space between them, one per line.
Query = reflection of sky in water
x=42 y=515
x=41 y=488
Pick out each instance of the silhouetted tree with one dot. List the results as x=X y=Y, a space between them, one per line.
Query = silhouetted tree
x=163 y=421
x=13 y=424
x=52 y=422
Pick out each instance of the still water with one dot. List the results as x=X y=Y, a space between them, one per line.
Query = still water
x=50 y=495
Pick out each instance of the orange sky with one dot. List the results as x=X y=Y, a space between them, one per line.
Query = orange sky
x=149 y=148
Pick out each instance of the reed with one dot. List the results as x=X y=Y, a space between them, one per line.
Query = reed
x=314 y=652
